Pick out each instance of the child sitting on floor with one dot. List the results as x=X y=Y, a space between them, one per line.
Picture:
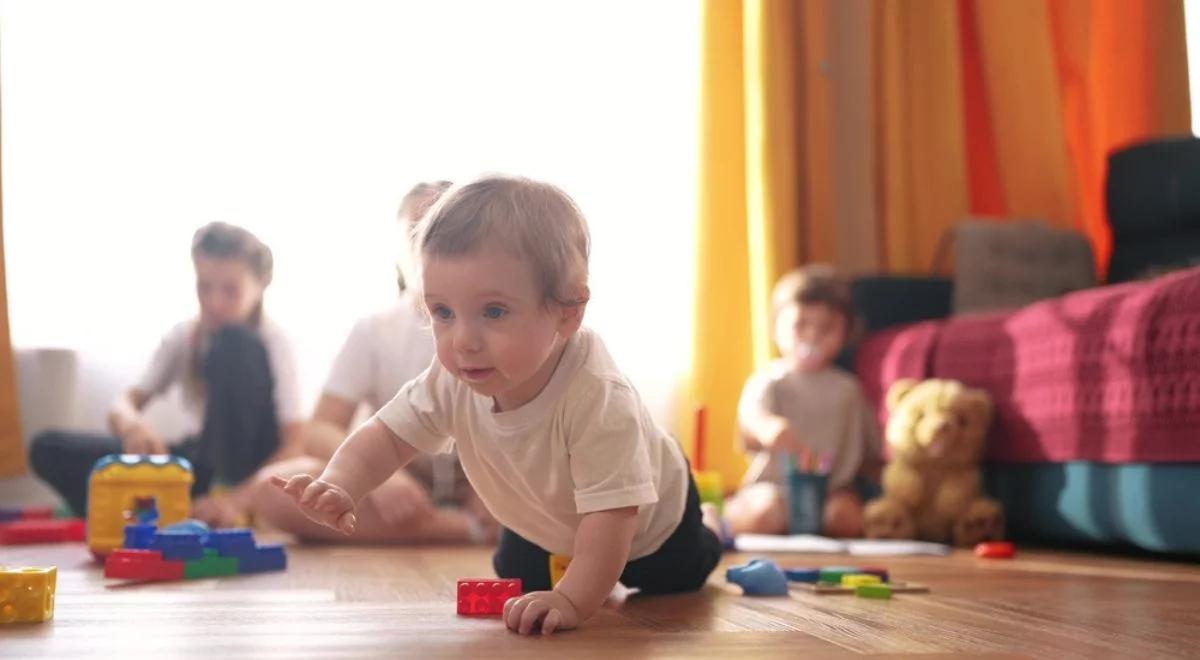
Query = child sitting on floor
x=804 y=408
x=552 y=436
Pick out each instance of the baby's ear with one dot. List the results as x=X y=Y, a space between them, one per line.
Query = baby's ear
x=572 y=312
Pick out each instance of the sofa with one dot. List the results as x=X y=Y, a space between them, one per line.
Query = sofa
x=1096 y=436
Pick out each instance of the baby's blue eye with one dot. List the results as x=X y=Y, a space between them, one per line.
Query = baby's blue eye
x=494 y=311
x=441 y=312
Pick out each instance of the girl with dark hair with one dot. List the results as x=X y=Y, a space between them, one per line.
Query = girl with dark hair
x=239 y=384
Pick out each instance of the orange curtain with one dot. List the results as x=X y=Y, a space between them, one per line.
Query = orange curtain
x=1011 y=108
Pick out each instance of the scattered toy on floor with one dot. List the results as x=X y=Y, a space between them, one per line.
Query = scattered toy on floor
x=760 y=577
x=558 y=568
x=27 y=593
x=126 y=487
x=41 y=530
x=486 y=597
x=996 y=550
x=9 y=514
x=832 y=580
x=880 y=591
x=189 y=550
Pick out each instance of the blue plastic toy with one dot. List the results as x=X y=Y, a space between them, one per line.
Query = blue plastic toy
x=802 y=574
x=760 y=577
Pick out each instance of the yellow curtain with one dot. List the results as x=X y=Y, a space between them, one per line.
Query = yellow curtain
x=920 y=133
x=752 y=156
x=12 y=446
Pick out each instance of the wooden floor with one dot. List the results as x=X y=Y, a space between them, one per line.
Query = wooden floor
x=354 y=602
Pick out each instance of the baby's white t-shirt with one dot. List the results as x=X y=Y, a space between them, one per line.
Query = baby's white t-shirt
x=586 y=443
x=171 y=365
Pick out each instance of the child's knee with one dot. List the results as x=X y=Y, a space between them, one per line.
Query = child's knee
x=843 y=515
x=758 y=509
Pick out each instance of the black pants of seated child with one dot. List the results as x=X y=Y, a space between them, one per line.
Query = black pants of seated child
x=683 y=563
x=240 y=428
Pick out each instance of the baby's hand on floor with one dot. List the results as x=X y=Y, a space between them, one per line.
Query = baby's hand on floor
x=321 y=501
x=548 y=609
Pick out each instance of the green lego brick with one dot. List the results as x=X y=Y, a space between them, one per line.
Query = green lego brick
x=881 y=591
x=213 y=565
x=834 y=574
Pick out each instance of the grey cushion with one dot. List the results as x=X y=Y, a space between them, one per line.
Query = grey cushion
x=1005 y=264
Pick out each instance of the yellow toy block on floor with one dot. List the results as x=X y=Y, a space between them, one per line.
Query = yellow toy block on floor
x=860 y=579
x=27 y=594
x=558 y=568
x=121 y=484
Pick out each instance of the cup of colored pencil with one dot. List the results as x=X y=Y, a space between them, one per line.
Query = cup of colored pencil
x=807 y=480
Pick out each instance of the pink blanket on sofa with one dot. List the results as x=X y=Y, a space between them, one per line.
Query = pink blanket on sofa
x=1109 y=374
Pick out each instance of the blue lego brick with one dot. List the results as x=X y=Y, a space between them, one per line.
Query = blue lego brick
x=263 y=558
x=178 y=546
x=139 y=537
x=802 y=574
x=189 y=525
x=182 y=552
x=230 y=542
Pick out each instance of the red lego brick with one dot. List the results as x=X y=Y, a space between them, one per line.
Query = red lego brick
x=995 y=550
x=38 y=513
x=141 y=565
x=486 y=597
x=41 y=531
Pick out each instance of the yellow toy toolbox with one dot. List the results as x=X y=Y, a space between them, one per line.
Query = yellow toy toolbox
x=121 y=482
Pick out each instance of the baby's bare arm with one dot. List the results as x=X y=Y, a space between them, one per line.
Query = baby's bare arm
x=602 y=544
x=365 y=460
x=370 y=455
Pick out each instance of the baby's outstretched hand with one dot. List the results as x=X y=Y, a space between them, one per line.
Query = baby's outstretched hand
x=546 y=611
x=321 y=501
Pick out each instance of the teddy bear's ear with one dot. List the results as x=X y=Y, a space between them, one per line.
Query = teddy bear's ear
x=898 y=390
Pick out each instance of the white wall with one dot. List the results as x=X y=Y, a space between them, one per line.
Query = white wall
x=126 y=125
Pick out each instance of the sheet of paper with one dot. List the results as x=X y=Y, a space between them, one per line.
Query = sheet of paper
x=794 y=543
x=888 y=547
x=822 y=544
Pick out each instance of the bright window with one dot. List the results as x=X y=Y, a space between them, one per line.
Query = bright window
x=126 y=125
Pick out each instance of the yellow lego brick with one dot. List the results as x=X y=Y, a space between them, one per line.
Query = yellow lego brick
x=859 y=579
x=27 y=593
x=558 y=568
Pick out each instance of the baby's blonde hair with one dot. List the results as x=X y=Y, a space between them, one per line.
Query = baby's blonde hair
x=535 y=221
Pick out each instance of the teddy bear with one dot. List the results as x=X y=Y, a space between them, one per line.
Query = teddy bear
x=931 y=487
